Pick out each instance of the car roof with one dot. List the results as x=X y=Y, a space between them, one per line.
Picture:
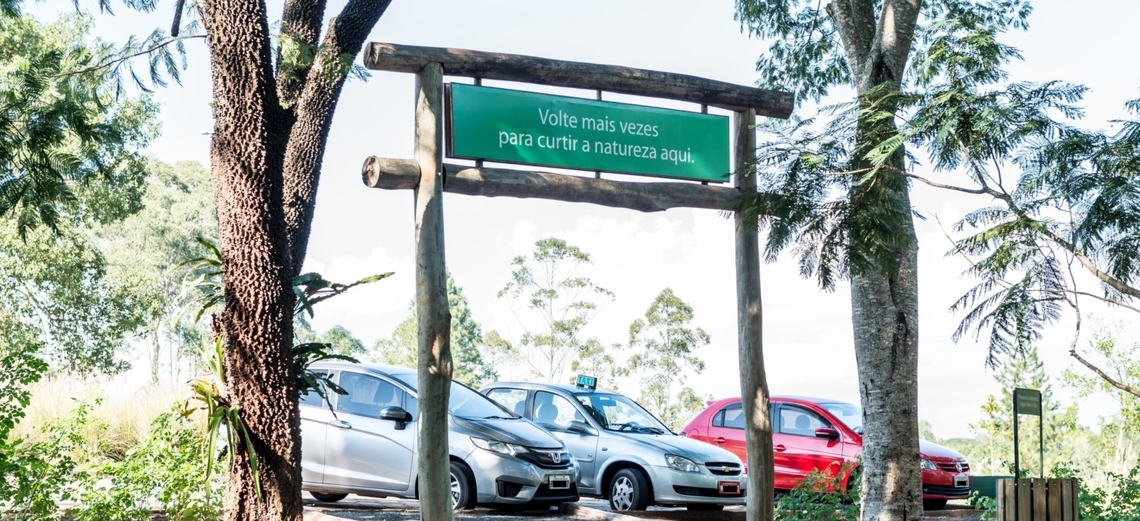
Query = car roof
x=368 y=366
x=789 y=398
x=544 y=386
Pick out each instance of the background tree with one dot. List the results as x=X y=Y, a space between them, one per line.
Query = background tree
x=664 y=345
x=69 y=162
x=1118 y=445
x=993 y=451
x=558 y=303
x=341 y=340
x=144 y=252
x=467 y=344
x=841 y=191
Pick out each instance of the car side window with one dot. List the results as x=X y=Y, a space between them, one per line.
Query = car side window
x=555 y=412
x=732 y=416
x=367 y=395
x=312 y=397
x=513 y=399
x=798 y=421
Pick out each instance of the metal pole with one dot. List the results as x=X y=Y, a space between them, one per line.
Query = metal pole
x=1016 y=465
x=1041 y=432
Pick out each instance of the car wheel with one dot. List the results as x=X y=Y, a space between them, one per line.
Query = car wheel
x=460 y=487
x=629 y=490
x=934 y=504
x=703 y=507
x=328 y=498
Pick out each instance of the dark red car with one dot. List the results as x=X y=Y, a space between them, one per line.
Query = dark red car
x=814 y=433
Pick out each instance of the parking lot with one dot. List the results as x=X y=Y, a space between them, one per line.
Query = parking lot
x=588 y=509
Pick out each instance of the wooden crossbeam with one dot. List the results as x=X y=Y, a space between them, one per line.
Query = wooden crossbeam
x=404 y=174
x=562 y=73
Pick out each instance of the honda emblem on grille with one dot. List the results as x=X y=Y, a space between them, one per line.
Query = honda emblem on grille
x=958 y=466
x=556 y=456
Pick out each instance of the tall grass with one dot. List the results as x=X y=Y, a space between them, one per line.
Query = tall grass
x=119 y=421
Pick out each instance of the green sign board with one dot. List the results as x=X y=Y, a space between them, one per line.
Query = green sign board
x=558 y=131
x=1027 y=401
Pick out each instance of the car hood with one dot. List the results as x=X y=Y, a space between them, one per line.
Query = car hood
x=929 y=449
x=518 y=431
x=698 y=451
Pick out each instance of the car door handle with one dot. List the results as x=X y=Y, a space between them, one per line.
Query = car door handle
x=340 y=424
x=781 y=448
x=721 y=439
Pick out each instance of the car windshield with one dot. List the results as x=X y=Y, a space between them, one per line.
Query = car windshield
x=618 y=413
x=850 y=415
x=465 y=402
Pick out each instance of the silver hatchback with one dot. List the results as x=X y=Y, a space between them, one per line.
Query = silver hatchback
x=626 y=454
x=366 y=444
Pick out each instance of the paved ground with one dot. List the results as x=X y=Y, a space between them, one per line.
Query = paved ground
x=588 y=509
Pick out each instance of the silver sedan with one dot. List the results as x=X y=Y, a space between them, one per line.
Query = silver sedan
x=364 y=442
x=626 y=455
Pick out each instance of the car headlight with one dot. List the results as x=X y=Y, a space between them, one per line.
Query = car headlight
x=681 y=463
x=498 y=447
x=928 y=465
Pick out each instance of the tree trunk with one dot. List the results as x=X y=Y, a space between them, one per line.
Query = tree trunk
x=432 y=311
x=246 y=153
x=884 y=299
x=753 y=377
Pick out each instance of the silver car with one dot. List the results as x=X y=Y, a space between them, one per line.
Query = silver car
x=368 y=446
x=626 y=454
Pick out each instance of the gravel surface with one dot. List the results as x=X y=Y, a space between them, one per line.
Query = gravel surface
x=588 y=509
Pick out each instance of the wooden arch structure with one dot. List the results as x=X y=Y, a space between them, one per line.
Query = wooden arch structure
x=428 y=176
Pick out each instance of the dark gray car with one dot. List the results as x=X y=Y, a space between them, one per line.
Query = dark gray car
x=368 y=446
x=625 y=453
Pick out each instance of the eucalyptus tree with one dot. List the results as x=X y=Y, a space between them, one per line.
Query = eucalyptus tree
x=467 y=342
x=146 y=250
x=839 y=189
x=664 y=345
x=557 y=303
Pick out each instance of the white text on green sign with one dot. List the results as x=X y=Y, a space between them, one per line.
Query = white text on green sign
x=559 y=131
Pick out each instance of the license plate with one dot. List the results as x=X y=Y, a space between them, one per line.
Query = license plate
x=961 y=481
x=558 y=482
x=728 y=487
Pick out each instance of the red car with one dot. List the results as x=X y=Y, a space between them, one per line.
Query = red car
x=813 y=433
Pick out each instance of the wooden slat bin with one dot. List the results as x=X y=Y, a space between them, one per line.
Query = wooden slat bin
x=1037 y=500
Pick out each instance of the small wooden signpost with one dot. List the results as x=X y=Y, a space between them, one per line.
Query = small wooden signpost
x=1020 y=499
x=631 y=138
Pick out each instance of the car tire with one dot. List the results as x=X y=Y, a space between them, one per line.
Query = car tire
x=629 y=490
x=704 y=507
x=328 y=498
x=933 y=504
x=462 y=486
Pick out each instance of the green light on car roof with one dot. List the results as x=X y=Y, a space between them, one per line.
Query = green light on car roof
x=588 y=383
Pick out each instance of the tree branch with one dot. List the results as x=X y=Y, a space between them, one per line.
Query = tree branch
x=935 y=184
x=1111 y=381
x=313 y=113
x=121 y=59
x=301 y=23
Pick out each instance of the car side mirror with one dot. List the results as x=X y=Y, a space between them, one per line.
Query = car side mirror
x=827 y=432
x=581 y=427
x=398 y=415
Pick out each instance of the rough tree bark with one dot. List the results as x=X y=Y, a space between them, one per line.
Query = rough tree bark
x=884 y=303
x=268 y=141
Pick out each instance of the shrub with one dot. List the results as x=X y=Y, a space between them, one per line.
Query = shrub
x=823 y=497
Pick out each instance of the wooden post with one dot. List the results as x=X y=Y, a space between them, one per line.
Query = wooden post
x=753 y=380
x=434 y=317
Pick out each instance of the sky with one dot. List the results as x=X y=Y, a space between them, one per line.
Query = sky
x=358 y=231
